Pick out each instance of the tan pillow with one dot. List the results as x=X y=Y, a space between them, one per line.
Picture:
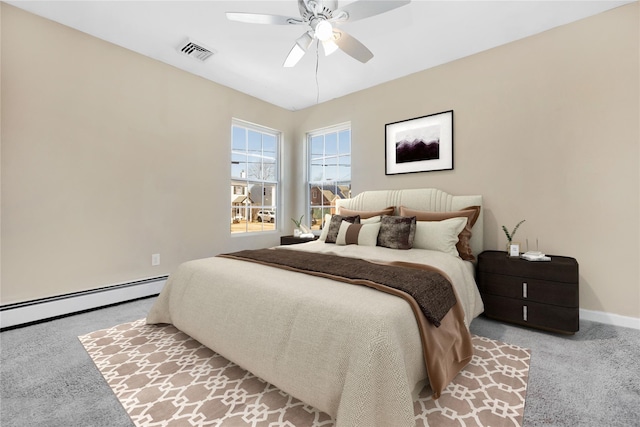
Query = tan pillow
x=367 y=214
x=471 y=213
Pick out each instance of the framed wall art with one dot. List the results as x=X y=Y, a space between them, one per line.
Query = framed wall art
x=423 y=144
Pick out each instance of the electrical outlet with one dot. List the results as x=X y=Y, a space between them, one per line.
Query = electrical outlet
x=155 y=259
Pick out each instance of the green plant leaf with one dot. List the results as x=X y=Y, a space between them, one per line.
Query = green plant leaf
x=513 y=233
x=298 y=222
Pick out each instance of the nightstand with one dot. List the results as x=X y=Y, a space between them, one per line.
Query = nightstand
x=540 y=294
x=290 y=240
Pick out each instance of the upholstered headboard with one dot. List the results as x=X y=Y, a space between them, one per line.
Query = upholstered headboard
x=425 y=199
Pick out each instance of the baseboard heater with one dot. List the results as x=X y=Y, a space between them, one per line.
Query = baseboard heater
x=27 y=312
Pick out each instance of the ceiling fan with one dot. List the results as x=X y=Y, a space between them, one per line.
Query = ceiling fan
x=322 y=16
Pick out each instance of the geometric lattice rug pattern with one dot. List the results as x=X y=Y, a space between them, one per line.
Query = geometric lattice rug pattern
x=164 y=378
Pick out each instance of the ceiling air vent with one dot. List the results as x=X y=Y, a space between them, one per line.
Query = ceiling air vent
x=196 y=50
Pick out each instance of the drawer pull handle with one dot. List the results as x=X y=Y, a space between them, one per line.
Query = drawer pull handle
x=524 y=313
x=524 y=289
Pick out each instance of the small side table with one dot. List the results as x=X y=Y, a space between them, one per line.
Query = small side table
x=290 y=240
x=540 y=294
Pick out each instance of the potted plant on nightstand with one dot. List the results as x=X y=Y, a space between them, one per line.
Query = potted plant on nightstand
x=298 y=230
x=510 y=235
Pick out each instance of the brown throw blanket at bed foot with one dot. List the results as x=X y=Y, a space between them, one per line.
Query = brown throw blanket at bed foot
x=430 y=289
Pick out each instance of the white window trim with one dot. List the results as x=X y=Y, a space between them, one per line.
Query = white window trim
x=278 y=134
x=310 y=134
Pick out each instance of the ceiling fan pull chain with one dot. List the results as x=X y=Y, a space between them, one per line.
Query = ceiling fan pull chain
x=317 y=62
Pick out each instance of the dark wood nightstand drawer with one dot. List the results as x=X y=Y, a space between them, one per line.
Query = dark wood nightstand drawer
x=559 y=269
x=546 y=316
x=556 y=293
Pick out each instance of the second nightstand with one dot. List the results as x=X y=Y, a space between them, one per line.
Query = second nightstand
x=540 y=294
x=290 y=240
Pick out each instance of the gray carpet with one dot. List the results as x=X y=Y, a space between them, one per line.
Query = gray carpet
x=48 y=380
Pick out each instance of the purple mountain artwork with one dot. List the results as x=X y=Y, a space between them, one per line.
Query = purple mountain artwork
x=418 y=144
x=416 y=150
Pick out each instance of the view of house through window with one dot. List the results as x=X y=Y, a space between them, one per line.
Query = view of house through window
x=254 y=178
x=329 y=155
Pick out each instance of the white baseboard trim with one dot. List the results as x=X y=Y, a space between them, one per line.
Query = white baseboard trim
x=33 y=311
x=610 y=318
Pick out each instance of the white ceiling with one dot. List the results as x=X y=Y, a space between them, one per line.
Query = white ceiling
x=249 y=57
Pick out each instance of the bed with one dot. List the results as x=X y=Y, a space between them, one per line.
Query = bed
x=351 y=351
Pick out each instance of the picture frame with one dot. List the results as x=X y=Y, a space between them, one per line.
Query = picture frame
x=514 y=250
x=421 y=144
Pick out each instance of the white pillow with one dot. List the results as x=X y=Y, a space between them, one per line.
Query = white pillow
x=439 y=236
x=325 y=229
x=371 y=220
x=359 y=234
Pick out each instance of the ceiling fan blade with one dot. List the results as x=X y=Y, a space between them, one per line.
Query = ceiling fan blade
x=362 y=9
x=298 y=50
x=261 y=18
x=351 y=46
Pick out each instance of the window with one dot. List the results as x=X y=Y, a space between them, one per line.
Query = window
x=329 y=170
x=254 y=177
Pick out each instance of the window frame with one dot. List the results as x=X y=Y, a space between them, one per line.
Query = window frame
x=337 y=129
x=247 y=181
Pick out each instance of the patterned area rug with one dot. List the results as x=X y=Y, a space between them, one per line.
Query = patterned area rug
x=164 y=378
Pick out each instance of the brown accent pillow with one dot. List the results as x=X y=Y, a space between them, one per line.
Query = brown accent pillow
x=351 y=236
x=471 y=213
x=367 y=214
x=397 y=232
x=334 y=226
x=358 y=234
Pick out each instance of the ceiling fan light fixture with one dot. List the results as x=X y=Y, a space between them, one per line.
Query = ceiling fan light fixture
x=324 y=30
x=304 y=41
x=298 y=50
x=294 y=56
x=329 y=47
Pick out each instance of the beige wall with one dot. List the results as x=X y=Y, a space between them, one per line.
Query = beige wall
x=546 y=129
x=108 y=157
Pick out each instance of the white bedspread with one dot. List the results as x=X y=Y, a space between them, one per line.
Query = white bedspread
x=348 y=350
